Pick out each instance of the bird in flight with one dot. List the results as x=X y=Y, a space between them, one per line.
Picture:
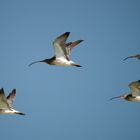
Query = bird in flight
x=133 y=56
x=6 y=103
x=134 y=95
x=62 y=52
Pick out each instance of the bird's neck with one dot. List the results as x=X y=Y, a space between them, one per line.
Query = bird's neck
x=50 y=60
x=129 y=97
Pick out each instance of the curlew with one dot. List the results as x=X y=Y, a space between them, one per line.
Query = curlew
x=134 y=95
x=6 y=103
x=62 y=52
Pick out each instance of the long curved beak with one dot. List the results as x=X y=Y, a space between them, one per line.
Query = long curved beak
x=116 y=97
x=129 y=57
x=35 y=62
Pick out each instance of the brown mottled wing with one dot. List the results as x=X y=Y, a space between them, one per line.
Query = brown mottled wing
x=11 y=97
x=60 y=46
x=71 y=45
x=135 y=88
x=3 y=100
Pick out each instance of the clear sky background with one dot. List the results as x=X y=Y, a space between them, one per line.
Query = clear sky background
x=70 y=103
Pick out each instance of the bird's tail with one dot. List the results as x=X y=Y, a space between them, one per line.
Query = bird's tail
x=19 y=113
x=76 y=65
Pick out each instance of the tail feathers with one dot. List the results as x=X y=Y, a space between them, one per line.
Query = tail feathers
x=76 y=65
x=19 y=113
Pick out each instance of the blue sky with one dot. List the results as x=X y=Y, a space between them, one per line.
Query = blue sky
x=70 y=103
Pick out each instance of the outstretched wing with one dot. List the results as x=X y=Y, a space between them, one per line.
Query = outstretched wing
x=135 y=88
x=71 y=45
x=60 y=46
x=3 y=100
x=11 y=97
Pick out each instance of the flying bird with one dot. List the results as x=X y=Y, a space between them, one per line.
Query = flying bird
x=62 y=52
x=134 y=95
x=6 y=103
x=133 y=56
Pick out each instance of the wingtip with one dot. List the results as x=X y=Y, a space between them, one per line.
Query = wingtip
x=67 y=33
x=79 y=41
x=2 y=90
x=14 y=90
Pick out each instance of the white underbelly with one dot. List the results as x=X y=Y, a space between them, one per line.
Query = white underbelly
x=63 y=62
x=137 y=99
x=4 y=111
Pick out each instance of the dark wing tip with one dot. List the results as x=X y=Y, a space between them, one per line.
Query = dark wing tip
x=81 y=40
x=66 y=34
x=2 y=90
x=14 y=90
x=11 y=96
x=13 y=93
x=78 y=41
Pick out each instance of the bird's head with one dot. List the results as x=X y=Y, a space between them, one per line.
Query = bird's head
x=137 y=56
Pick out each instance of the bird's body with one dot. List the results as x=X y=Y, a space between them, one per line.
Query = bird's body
x=62 y=52
x=133 y=56
x=10 y=111
x=134 y=95
x=61 y=61
x=6 y=103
